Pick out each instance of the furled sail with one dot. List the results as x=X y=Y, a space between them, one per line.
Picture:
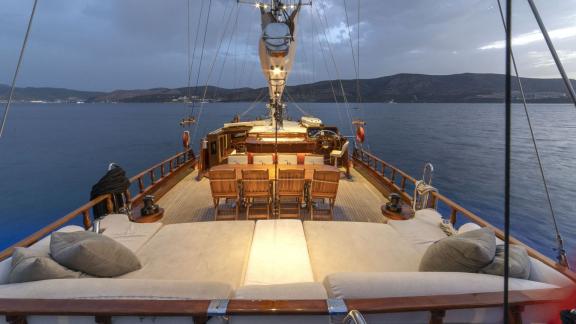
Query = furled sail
x=277 y=49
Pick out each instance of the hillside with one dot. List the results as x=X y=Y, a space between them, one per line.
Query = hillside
x=466 y=87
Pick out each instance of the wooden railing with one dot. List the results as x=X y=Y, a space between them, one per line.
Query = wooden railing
x=153 y=178
x=396 y=180
x=17 y=309
x=83 y=211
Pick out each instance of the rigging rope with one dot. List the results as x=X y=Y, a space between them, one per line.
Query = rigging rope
x=323 y=55
x=254 y=103
x=191 y=58
x=227 y=49
x=346 y=104
x=296 y=104
x=356 y=73
x=562 y=253
x=20 y=58
x=198 y=75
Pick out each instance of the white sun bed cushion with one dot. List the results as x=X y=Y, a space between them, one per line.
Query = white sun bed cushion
x=404 y=284
x=43 y=245
x=111 y=288
x=422 y=230
x=279 y=254
x=130 y=234
x=357 y=247
x=301 y=291
x=202 y=251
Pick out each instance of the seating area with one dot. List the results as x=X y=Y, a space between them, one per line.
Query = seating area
x=280 y=259
x=257 y=190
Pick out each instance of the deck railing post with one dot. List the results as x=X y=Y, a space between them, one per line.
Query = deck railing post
x=152 y=176
x=140 y=185
x=86 y=219
x=162 y=173
x=403 y=184
x=453 y=215
x=515 y=314
x=437 y=316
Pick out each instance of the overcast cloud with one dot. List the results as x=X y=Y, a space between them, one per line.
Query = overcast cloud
x=126 y=44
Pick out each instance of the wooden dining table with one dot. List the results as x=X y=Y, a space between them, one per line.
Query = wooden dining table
x=308 y=168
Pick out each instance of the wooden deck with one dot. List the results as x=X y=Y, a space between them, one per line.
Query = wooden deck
x=191 y=201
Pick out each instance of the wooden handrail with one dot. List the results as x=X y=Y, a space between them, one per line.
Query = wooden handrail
x=127 y=307
x=455 y=210
x=83 y=211
x=174 y=163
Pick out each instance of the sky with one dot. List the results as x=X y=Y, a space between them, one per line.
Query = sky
x=133 y=44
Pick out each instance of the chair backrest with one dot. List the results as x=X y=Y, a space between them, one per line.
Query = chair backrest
x=325 y=184
x=238 y=159
x=345 y=147
x=314 y=159
x=256 y=183
x=291 y=159
x=263 y=159
x=223 y=183
x=290 y=182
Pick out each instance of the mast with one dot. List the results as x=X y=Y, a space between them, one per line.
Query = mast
x=277 y=49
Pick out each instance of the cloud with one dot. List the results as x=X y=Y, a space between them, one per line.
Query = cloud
x=126 y=44
x=532 y=37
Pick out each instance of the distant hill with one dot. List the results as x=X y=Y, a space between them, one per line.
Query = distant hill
x=466 y=87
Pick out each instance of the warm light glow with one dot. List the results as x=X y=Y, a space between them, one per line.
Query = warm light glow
x=276 y=70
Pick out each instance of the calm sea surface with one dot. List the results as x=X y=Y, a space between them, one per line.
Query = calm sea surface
x=51 y=155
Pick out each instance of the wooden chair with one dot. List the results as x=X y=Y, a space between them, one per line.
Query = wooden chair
x=314 y=159
x=224 y=185
x=238 y=159
x=263 y=159
x=324 y=186
x=256 y=185
x=290 y=185
x=290 y=159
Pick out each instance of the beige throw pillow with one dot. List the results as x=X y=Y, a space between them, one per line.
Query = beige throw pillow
x=466 y=252
x=31 y=265
x=92 y=253
x=519 y=262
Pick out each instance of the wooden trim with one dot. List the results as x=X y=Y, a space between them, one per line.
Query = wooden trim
x=363 y=158
x=126 y=307
x=179 y=166
x=83 y=211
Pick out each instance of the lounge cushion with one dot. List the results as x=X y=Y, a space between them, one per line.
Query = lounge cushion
x=304 y=290
x=519 y=262
x=357 y=247
x=404 y=284
x=407 y=284
x=279 y=254
x=112 y=288
x=132 y=235
x=466 y=252
x=202 y=251
x=422 y=230
x=297 y=291
x=92 y=253
x=33 y=265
